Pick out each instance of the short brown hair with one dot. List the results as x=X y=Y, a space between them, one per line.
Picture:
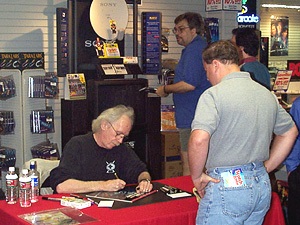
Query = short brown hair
x=194 y=20
x=223 y=51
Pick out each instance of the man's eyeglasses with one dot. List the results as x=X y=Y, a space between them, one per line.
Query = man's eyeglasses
x=179 y=30
x=118 y=134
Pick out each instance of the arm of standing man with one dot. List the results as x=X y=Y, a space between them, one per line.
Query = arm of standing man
x=281 y=147
x=180 y=87
x=197 y=155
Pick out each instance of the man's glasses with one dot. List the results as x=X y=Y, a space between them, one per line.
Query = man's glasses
x=118 y=134
x=179 y=30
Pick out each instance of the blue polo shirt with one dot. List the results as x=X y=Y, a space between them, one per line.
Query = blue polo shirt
x=293 y=160
x=190 y=70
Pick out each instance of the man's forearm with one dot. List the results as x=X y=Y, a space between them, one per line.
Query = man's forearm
x=197 y=152
x=281 y=148
x=180 y=87
x=78 y=186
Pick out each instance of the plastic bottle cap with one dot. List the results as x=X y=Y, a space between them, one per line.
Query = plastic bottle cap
x=24 y=171
x=33 y=165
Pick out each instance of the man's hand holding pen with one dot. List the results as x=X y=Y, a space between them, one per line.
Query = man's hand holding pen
x=144 y=186
x=113 y=185
x=119 y=184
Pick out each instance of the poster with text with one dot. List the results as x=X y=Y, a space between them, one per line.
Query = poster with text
x=279 y=37
x=282 y=80
x=232 y=5
x=213 y=5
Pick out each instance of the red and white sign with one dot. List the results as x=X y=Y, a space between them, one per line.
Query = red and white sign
x=212 y=5
x=282 y=80
x=233 y=5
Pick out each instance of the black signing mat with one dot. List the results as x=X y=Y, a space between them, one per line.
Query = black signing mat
x=156 y=197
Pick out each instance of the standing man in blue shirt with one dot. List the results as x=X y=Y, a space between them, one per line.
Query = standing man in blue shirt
x=248 y=42
x=190 y=78
x=292 y=163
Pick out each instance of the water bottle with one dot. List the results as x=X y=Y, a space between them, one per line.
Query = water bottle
x=25 y=189
x=11 y=186
x=35 y=181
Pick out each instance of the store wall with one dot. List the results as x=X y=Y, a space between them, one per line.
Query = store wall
x=170 y=9
x=293 y=16
x=30 y=26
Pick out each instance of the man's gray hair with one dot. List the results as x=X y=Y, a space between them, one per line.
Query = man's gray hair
x=113 y=114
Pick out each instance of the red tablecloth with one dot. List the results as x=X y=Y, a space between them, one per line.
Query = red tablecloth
x=176 y=212
x=275 y=215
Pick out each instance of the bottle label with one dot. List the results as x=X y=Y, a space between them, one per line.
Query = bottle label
x=34 y=182
x=11 y=183
x=25 y=185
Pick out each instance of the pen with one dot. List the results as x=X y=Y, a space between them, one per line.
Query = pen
x=164 y=189
x=92 y=201
x=76 y=196
x=116 y=175
x=52 y=199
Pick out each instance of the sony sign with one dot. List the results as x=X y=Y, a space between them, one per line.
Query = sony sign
x=108 y=4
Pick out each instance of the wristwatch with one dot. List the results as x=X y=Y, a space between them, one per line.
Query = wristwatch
x=145 y=179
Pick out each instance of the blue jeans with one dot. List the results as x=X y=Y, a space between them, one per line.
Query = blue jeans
x=244 y=205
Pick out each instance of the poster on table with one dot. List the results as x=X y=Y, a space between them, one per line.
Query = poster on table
x=279 y=36
x=282 y=80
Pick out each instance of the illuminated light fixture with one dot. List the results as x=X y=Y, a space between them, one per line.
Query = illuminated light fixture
x=280 y=6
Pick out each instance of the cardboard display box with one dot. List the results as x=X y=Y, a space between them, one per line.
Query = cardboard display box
x=172 y=164
x=170 y=143
x=172 y=169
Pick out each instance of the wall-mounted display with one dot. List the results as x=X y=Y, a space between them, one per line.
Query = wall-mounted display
x=213 y=5
x=7 y=122
x=43 y=86
x=87 y=34
x=228 y=5
x=232 y=5
x=7 y=87
x=42 y=121
x=279 y=36
x=75 y=87
x=22 y=60
x=213 y=26
x=151 y=42
x=62 y=23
